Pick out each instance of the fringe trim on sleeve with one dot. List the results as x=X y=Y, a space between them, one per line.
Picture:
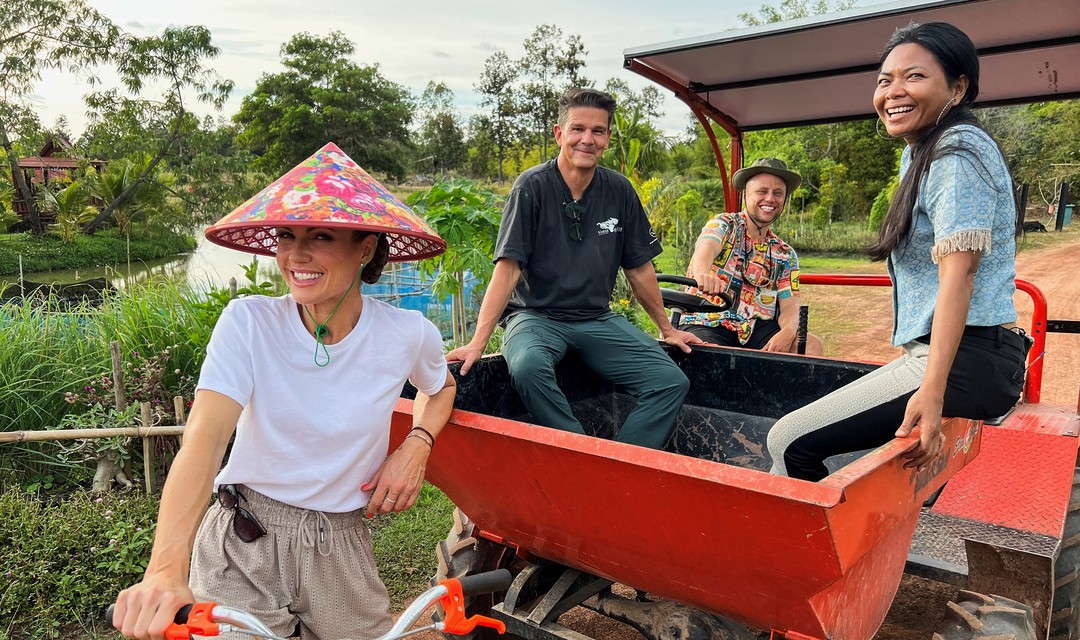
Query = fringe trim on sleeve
x=966 y=240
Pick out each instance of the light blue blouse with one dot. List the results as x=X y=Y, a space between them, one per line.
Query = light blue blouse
x=964 y=204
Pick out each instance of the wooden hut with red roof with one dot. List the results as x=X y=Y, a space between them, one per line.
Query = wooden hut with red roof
x=56 y=162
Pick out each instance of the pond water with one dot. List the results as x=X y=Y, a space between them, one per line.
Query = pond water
x=209 y=265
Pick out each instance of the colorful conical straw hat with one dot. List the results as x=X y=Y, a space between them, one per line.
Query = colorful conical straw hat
x=326 y=190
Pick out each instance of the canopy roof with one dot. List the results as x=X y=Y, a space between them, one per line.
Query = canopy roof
x=824 y=68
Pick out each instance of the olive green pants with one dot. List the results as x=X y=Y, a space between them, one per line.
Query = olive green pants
x=616 y=351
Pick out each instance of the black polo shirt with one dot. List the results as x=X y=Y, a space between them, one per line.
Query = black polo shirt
x=563 y=278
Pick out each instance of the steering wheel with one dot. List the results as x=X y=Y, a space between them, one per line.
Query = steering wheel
x=682 y=302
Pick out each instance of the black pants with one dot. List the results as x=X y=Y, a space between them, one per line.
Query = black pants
x=985 y=381
x=764 y=330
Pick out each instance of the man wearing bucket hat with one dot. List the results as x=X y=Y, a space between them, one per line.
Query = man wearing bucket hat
x=307 y=383
x=568 y=227
x=739 y=254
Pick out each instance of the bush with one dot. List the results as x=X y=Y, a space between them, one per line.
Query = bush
x=821 y=217
x=64 y=560
x=712 y=192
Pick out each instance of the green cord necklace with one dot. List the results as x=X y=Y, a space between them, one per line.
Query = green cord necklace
x=321 y=330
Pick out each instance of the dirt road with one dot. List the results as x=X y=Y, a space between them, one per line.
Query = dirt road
x=856 y=323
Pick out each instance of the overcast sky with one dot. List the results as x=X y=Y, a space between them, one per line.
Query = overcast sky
x=412 y=41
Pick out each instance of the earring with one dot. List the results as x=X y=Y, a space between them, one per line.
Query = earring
x=883 y=136
x=940 y=115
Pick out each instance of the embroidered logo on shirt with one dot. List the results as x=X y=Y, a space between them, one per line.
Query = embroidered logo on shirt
x=608 y=226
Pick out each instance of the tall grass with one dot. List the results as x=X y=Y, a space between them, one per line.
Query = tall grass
x=51 y=350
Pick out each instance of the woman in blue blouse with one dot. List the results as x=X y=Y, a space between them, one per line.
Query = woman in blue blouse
x=949 y=239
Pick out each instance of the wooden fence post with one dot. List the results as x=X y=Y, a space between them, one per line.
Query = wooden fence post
x=178 y=409
x=147 y=447
x=118 y=388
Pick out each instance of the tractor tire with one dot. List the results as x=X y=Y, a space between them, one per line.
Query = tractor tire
x=974 y=616
x=1065 y=616
x=462 y=554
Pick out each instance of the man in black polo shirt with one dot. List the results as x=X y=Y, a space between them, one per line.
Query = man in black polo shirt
x=567 y=228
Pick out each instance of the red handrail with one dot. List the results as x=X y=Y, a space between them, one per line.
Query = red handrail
x=1033 y=384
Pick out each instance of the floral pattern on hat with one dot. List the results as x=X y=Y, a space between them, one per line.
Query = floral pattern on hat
x=328 y=189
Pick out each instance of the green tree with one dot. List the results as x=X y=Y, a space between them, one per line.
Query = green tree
x=323 y=96
x=646 y=102
x=44 y=34
x=635 y=145
x=129 y=176
x=496 y=89
x=442 y=137
x=793 y=10
x=549 y=67
x=467 y=217
x=833 y=191
x=175 y=57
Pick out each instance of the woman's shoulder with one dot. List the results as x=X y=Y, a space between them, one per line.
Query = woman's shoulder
x=967 y=135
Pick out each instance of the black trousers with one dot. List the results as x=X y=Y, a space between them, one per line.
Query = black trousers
x=985 y=381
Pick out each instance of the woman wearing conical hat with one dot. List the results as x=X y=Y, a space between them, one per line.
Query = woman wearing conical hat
x=307 y=383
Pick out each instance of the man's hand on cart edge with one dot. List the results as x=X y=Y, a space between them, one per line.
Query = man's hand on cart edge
x=467 y=355
x=923 y=411
x=681 y=339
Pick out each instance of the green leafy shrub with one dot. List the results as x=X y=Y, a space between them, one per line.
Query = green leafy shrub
x=64 y=560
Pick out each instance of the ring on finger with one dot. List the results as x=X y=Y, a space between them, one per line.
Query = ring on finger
x=389 y=499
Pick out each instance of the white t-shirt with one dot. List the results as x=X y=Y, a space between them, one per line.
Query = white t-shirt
x=310 y=436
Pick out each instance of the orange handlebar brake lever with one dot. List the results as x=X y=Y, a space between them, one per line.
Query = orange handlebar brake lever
x=198 y=623
x=453 y=604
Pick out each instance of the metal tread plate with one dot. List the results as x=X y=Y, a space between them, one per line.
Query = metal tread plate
x=940 y=539
x=1022 y=479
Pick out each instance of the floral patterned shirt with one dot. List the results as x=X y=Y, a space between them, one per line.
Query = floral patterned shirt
x=760 y=274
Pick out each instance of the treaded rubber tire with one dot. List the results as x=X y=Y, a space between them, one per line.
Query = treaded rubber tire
x=462 y=554
x=1065 y=615
x=975 y=616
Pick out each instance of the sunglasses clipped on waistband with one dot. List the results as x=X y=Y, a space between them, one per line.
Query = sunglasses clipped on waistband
x=245 y=524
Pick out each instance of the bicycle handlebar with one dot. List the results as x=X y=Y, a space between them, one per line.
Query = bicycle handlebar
x=181 y=616
x=208 y=619
x=487 y=582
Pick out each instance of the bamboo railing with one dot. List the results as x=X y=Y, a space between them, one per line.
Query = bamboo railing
x=145 y=430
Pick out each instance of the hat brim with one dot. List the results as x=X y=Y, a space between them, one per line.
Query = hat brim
x=326 y=190
x=790 y=178
x=257 y=237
